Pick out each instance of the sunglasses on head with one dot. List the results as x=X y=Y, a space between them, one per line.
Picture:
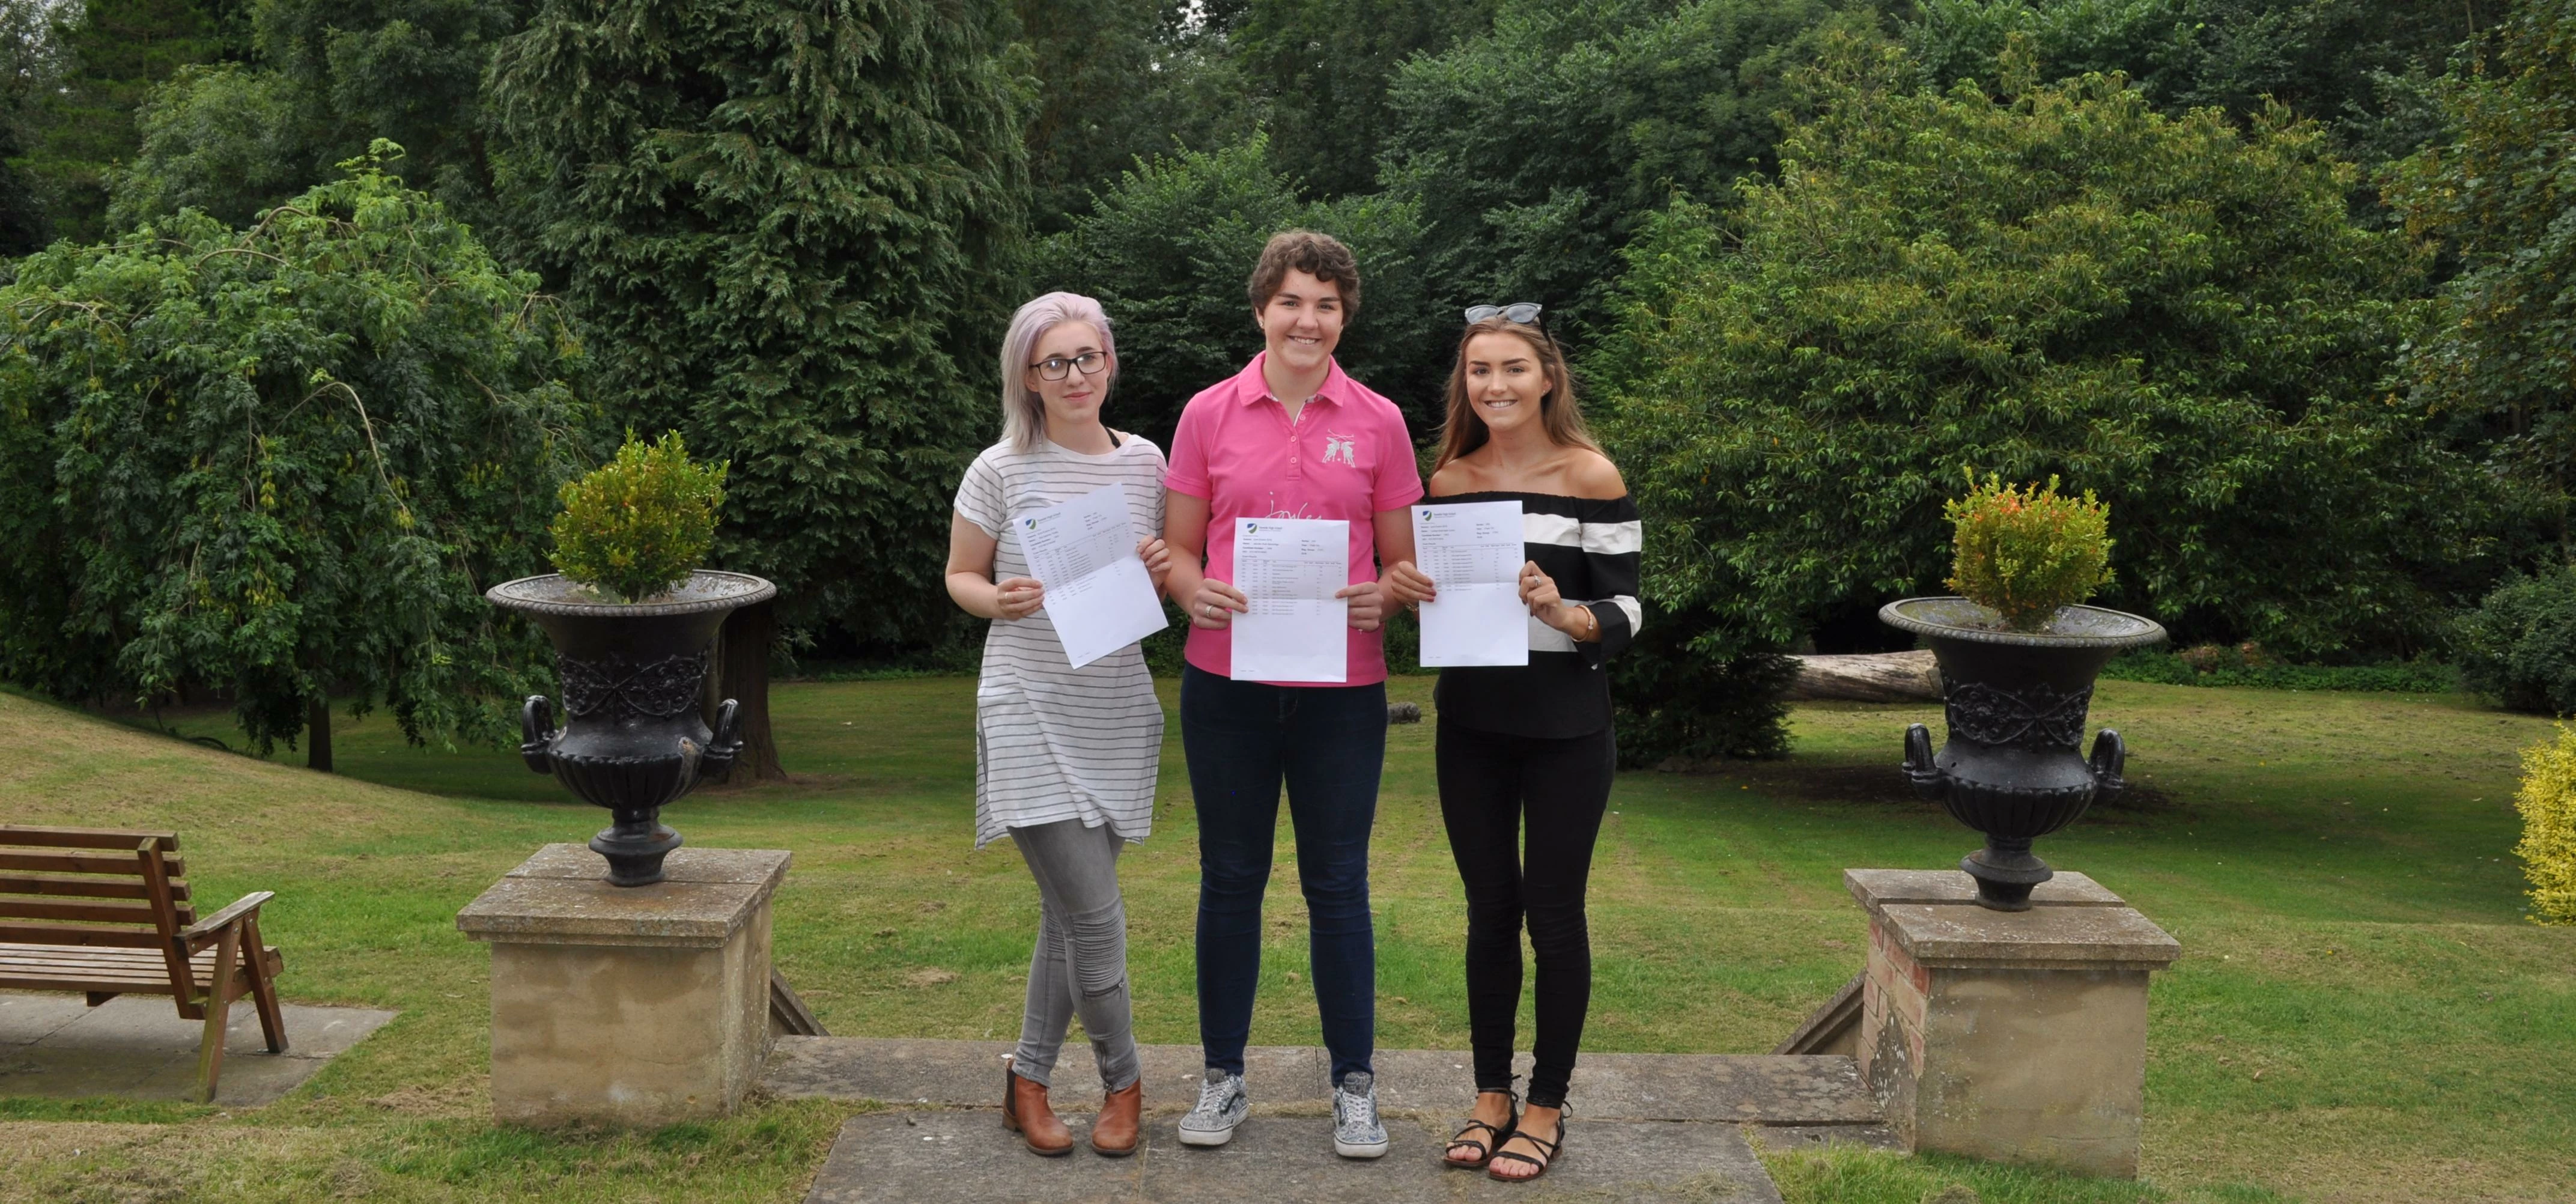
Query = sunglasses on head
x=1523 y=312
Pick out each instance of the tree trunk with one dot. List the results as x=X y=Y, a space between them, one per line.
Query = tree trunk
x=317 y=734
x=742 y=674
x=1866 y=677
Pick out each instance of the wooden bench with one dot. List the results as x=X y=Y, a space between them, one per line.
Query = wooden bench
x=107 y=913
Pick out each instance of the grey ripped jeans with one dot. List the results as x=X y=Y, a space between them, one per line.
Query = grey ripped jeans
x=1081 y=961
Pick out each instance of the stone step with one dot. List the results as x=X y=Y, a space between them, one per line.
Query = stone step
x=967 y=1158
x=1784 y=1090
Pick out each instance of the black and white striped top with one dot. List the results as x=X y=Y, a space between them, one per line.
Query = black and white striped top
x=1053 y=742
x=1591 y=547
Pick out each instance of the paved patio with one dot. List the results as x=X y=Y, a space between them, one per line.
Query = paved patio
x=137 y=1047
x=1646 y=1128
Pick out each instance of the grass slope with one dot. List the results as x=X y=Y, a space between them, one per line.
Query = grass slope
x=2361 y=1014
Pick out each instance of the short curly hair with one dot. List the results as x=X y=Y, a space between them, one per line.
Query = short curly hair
x=1321 y=256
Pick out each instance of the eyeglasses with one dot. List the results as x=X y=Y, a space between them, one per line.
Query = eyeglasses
x=1056 y=367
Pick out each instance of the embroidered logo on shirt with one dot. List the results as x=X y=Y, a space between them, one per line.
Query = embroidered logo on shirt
x=1343 y=446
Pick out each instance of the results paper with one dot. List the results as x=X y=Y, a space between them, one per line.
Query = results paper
x=1098 y=594
x=1473 y=555
x=1290 y=568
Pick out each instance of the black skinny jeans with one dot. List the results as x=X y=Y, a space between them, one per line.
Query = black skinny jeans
x=1491 y=787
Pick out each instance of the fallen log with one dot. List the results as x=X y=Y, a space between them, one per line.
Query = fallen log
x=1866 y=677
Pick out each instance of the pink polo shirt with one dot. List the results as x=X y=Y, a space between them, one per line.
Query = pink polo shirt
x=1347 y=456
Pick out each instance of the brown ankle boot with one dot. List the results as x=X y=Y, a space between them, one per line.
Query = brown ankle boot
x=1025 y=1111
x=1114 y=1134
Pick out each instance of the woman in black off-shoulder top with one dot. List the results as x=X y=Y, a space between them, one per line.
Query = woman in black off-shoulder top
x=1525 y=754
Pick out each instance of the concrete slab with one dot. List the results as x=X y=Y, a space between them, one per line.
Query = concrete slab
x=27 y=1019
x=963 y=1157
x=2067 y=889
x=1946 y=935
x=1757 y=1089
x=689 y=863
x=561 y=896
x=137 y=1047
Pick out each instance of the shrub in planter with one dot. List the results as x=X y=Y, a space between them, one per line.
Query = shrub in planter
x=2026 y=553
x=632 y=619
x=638 y=525
x=2519 y=646
x=2018 y=653
x=2548 y=805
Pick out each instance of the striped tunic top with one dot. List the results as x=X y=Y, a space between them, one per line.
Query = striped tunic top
x=1591 y=548
x=1053 y=742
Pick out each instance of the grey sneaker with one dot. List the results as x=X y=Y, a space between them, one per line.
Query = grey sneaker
x=1223 y=1104
x=1356 y=1131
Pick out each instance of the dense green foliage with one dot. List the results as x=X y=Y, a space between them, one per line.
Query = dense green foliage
x=2500 y=194
x=2519 y=646
x=638 y=525
x=1118 y=80
x=2025 y=553
x=787 y=227
x=2063 y=281
x=790 y=229
x=281 y=462
x=116 y=52
x=325 y=77
x=2362 y=67
x=31 y=66
x=1686 y=690
x=1322 y=70
x=1536 y=151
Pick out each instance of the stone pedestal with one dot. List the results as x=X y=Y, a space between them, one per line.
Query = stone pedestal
x=2015 y=1036
x=642 y=1005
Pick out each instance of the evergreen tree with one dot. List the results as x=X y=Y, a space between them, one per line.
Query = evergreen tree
x=1120 y=81
x=1537 y=150
x=786 y=224
x=119 y=51
x=31 y=54
x=327 y=78
x=1322 y=69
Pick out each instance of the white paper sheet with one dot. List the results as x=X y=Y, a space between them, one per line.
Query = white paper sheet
x=1098 y=594
x=1473 y=555
x=1290 y=568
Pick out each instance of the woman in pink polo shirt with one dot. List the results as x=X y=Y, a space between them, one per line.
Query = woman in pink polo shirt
x=1288 y=437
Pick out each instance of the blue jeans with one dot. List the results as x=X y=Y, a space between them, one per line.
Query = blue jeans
x=1328 y=743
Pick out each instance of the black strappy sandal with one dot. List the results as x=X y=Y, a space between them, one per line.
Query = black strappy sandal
x=1548 y=1151
x=1484 y=1148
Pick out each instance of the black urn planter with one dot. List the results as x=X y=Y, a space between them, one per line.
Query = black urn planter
x=632 y=739
x=2015 y=703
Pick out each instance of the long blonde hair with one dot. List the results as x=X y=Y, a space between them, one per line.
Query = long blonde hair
x=1023 y=411
x=1462 y=431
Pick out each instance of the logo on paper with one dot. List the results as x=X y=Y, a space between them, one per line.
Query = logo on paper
x=1250 y=526
x=1028 y=524
x=1342 y=446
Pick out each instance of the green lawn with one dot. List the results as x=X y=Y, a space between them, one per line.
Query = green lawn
x=2362 y=1013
